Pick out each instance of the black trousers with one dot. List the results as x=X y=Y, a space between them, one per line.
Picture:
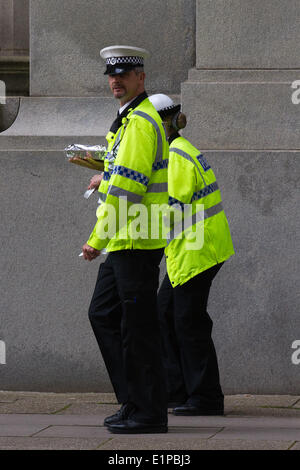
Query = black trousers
x=188 y=349
x=124 y=317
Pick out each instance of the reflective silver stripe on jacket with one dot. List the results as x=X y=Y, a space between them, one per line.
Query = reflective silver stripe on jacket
x=117 y=142
x=188 y=157
x=193 y=219
x=120 y=192
x=157 y=188
x=159 y=151
x=102 y=197
x=182 y=153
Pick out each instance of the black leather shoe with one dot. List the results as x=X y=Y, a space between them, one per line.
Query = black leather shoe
x=120 y=415
x=174 y=404
x=129 y=426
x=192 y=410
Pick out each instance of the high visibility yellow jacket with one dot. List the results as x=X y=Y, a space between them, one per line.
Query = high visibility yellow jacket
x=134 y=184
x=201 y=237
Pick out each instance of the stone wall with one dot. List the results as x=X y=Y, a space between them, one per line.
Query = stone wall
x=236 y=90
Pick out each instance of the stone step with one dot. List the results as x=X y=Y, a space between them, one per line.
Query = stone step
x=44 y=123
x=54 y=123
x=242 y=110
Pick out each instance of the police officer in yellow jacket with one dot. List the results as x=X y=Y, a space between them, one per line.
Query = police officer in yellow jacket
x=197 y=247
x=123 y=310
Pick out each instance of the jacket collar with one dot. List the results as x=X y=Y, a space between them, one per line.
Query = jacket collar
x=118 y=121
x=173 y=137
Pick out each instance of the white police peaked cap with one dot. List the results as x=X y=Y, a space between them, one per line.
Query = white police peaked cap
x=119 y=59
x=164 y=105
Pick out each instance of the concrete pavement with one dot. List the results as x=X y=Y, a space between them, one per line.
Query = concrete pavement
x=74 y=421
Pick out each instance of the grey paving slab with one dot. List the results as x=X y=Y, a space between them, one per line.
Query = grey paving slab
x=42 y=397
x=264 y=411
x=295 y=446
x=204 y=432
x=257 y=405
x=21 y=406
x=176 y=423
x=48 y=419
x=90 y=408
x=259 y=433
x=19 y=429
x=44 y=443
x=197 y=421
x=191 y=443
x=75 y=431
x=97 y=431
x=261 y=400
x=235 y=421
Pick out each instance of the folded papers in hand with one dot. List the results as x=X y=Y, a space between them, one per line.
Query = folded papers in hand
x=96 y=152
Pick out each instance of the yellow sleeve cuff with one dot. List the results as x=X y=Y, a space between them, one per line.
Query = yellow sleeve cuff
x=96 y=242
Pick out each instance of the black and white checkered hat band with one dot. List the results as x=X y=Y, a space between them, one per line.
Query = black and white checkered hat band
x=125 y=61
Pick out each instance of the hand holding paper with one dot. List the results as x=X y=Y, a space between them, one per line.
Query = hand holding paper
x=89 y=253
x=88 y=156
x=95 y=181
x=96 y=152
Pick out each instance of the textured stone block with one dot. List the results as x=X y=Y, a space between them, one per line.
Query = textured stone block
x=241 y=110
x=45 y=220
x=66 y=38
x=54 y=123
x=242 y=34
x=254 y=300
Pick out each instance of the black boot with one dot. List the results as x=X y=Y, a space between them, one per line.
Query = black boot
x=120 y=415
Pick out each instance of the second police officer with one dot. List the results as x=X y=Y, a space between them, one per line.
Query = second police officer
x=189 y=353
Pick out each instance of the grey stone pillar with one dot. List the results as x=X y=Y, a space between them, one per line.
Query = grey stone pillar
x=14 y=56
x=6 y=27
x=238 y=100
x=14 y=27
